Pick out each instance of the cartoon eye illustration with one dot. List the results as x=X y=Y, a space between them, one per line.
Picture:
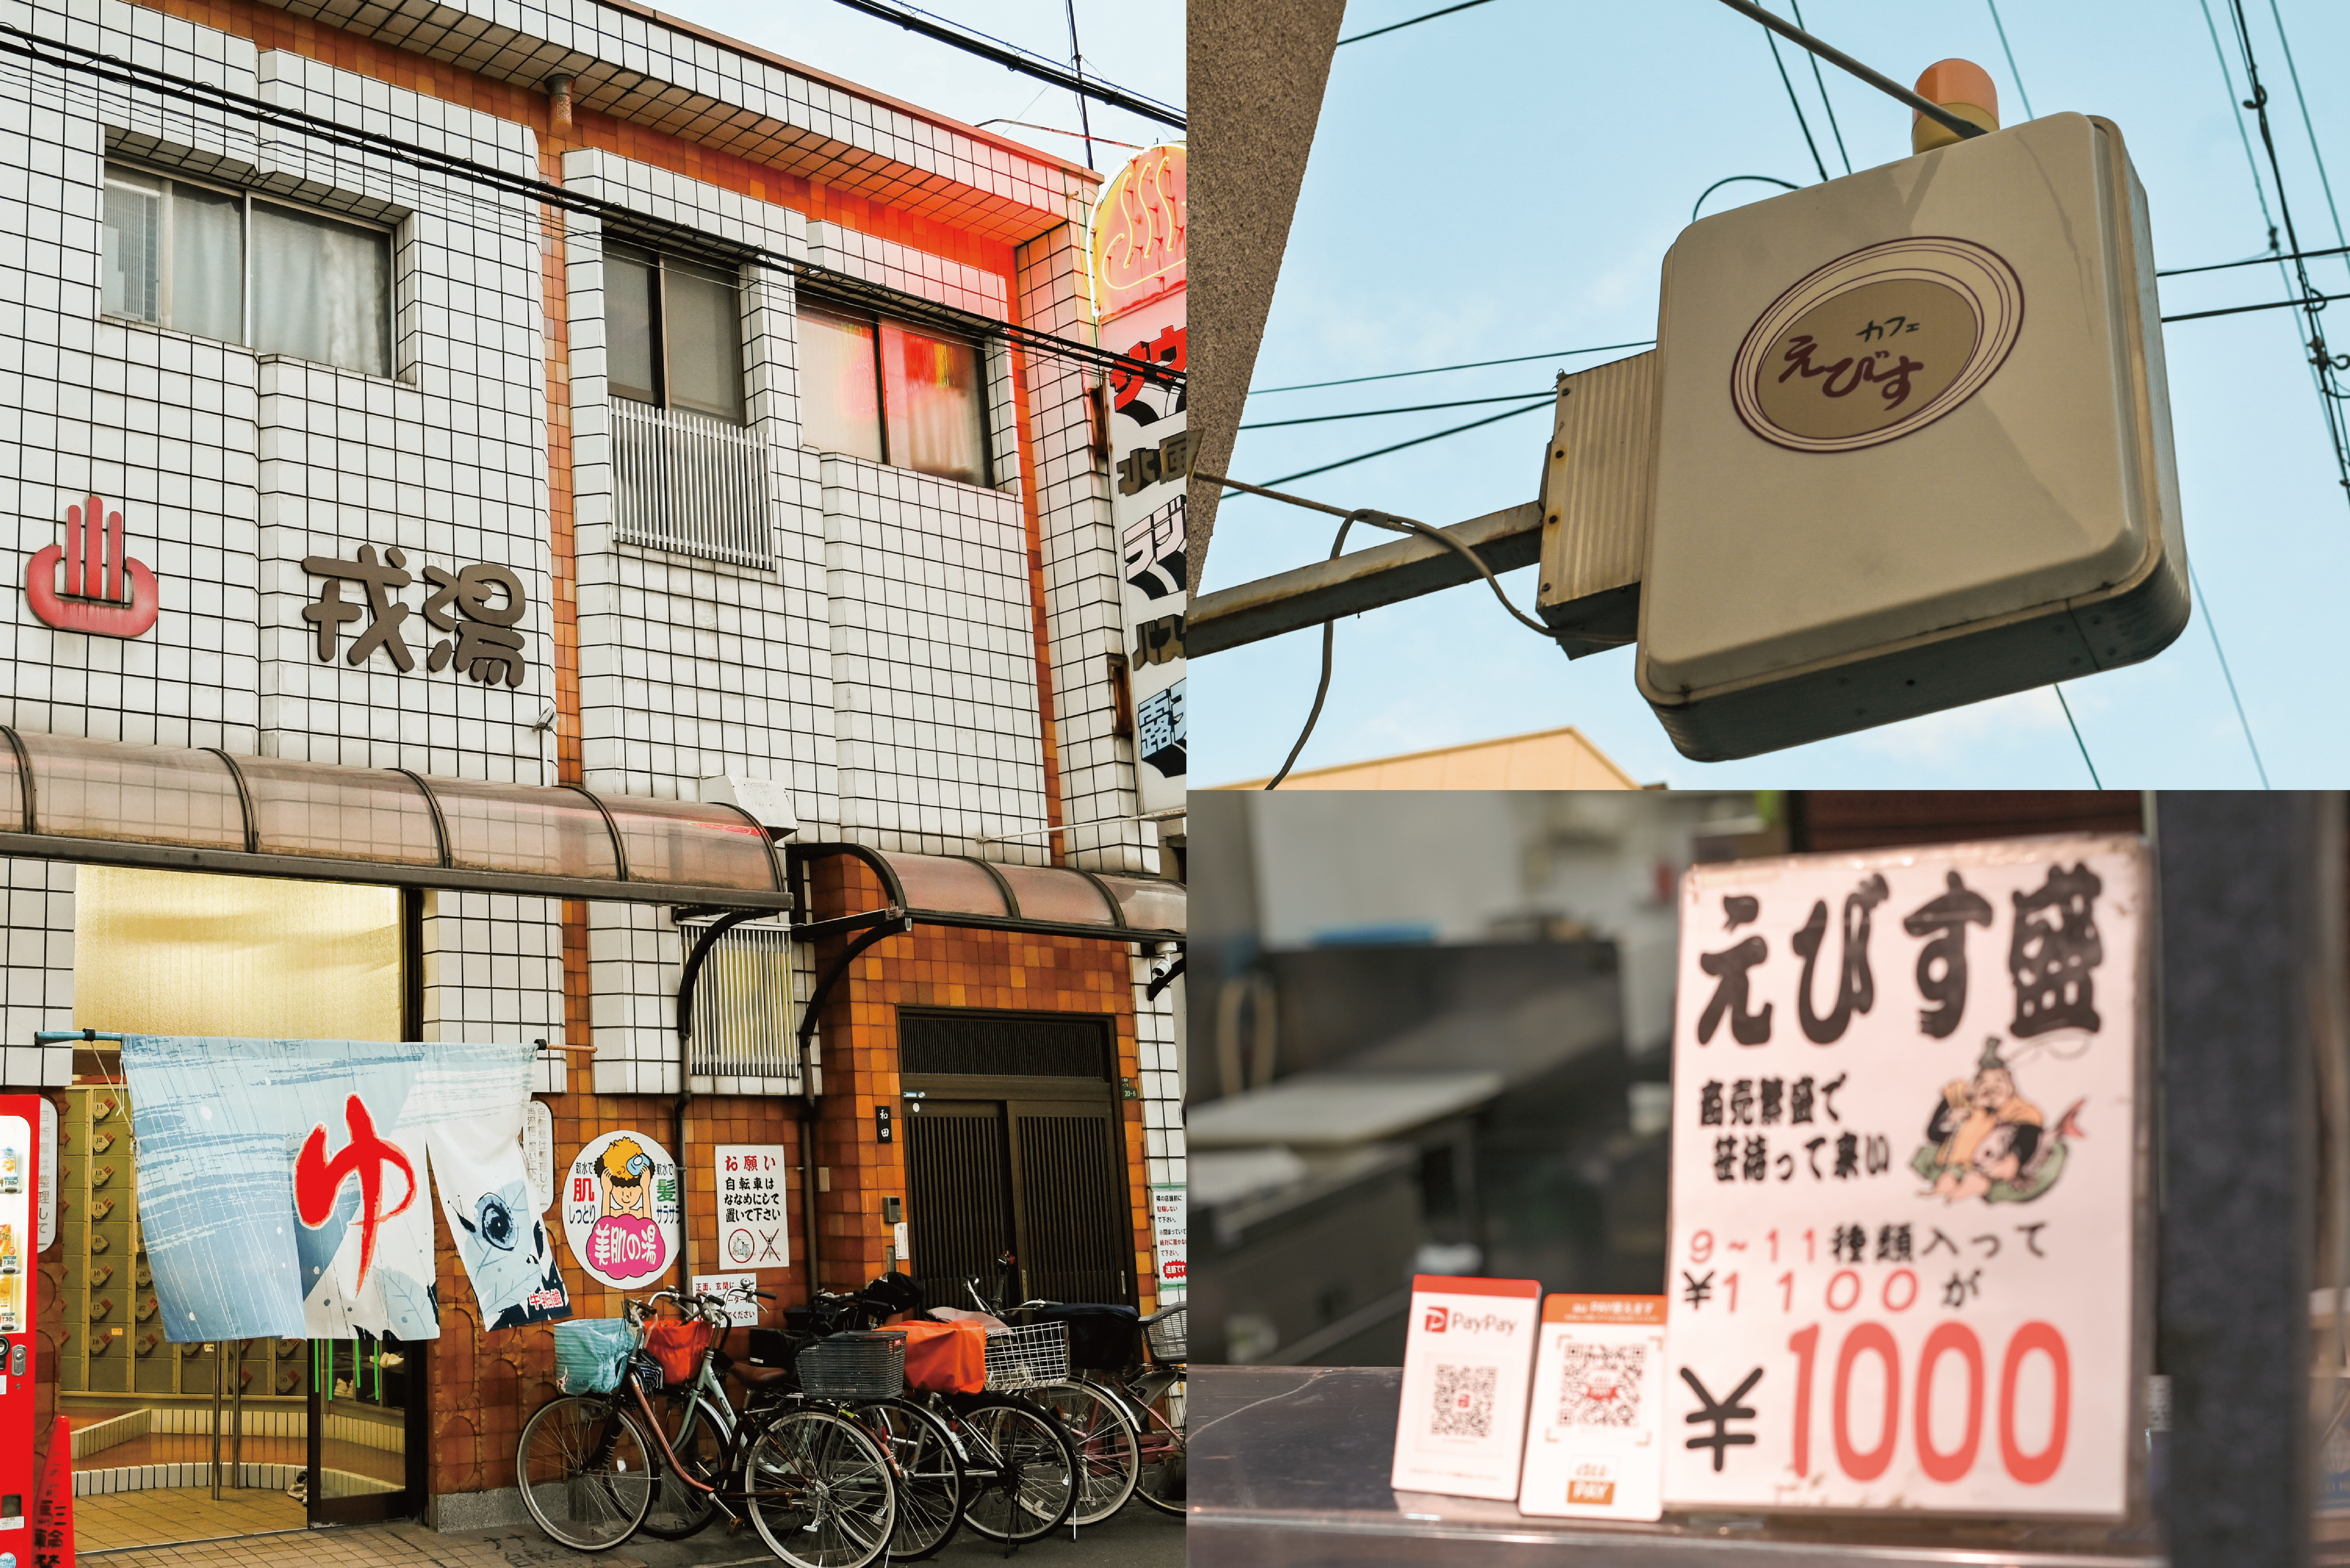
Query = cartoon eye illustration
x=494 y=1222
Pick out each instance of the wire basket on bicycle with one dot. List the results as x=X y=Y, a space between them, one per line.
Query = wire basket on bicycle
x=855 y=1367
x=1028 y=1357
x=1167 y=1335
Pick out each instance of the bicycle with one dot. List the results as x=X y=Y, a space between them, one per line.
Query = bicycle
x=816 y=1487
x=993 y=1459
x=1102 y=1427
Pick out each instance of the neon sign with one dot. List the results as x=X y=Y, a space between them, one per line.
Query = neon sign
x=1139 y=233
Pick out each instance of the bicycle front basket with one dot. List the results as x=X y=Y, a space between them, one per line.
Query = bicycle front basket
x=854 y=1367
x=1028 y=1357
x=1167 y=1336
x=589 y=1353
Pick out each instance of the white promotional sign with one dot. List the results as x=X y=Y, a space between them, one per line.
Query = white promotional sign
x=1467 y=1358
x=48 y=1212
x=1594 y=1443
x=753 y=1229
x=1151 y=459
x=620 y=1209
x=1907 y=1267
x=1168 y=1239
x=742 y=1308
x=538 y=1153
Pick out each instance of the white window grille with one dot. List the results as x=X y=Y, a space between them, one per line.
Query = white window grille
x=744 y=1020
x=690 y=484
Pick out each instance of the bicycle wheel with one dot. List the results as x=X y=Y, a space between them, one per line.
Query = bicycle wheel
x=1162 y=1482
x=585 y=1471
x=820 y=1490
x=1109 y=1449
x=1024 y=1473
x=930 y=1476
x=697 y=1435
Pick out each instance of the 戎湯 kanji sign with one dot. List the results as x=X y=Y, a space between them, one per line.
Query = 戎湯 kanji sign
x=1907 y=1252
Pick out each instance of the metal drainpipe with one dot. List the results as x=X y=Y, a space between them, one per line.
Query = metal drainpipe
x=823 y=987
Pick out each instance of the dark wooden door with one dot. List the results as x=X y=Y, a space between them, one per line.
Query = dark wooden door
x=959 y=1204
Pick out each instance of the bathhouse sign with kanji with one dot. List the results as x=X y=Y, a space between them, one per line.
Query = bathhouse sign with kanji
x=1909 y=1250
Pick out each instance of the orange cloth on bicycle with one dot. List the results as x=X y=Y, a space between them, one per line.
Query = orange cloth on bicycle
x=678 y=1347
x=951 y=1357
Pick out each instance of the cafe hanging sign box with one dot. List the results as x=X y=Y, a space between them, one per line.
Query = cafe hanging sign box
x=1910 y=1255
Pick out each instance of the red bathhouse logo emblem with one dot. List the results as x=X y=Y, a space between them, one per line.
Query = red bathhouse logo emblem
x=102 y=590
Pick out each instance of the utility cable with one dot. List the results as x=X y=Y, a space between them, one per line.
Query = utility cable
x=2262 y=260
x=2294 y=72
x=1398 y=26
x=2305 y=302
x=617 y=219
x=1376 y=413
x=1788 y=82
x=2324 y=364
x=1821 y=82
x=1013 y=57
x=2251 y=162
x=1472 y=364
x=2095 y=783
x=2213 y=628
x=1732 y=180
x=1965 y=129
x=1416 y=441
x=1393 y=523
x=2027 y=113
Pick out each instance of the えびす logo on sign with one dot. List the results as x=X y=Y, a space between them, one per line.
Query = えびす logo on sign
x=1878 y=344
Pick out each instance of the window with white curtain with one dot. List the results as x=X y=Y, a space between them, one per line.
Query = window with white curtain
x=245 y=269
x=882 y=391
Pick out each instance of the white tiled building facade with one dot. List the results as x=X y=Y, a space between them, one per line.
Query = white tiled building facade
x=882 y=665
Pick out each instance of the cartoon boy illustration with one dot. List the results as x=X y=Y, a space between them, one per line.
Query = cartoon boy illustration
x=626 y=1241
x=1986 y=1140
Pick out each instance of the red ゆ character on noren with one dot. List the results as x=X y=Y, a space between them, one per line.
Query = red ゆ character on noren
x=102 y=591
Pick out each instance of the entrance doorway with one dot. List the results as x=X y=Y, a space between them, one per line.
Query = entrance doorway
x=171 y=1442
x=1014 y=1144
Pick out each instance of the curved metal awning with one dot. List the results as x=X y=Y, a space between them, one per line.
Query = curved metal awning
x=111 y=802
x=960 y=890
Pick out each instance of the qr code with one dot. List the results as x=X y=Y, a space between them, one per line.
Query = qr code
x=1464 y=1401
x=1601 y=1385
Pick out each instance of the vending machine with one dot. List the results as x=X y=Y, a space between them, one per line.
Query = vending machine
x=21 y=1124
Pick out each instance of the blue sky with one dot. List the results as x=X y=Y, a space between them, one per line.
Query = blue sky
x=1505 y=181
x=1138 y=47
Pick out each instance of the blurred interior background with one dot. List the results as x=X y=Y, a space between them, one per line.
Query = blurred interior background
x=1430 y=1028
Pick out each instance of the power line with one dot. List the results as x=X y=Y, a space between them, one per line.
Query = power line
x=2302 y=303
x=1417 y=441
x=1013 y=57
x=2251 y=163
x=1439 y=369
x=2095 y=783
x=617 y=219
x=1964 y=129
x=1375 y=413
x=2261 y=260
x=1396 y=27
x=2213 y=628
x=1732 y=180
x=2323 y=363
x=2027 y=114
x=1821 y=82
x=2294 y=72
x=1789 y=84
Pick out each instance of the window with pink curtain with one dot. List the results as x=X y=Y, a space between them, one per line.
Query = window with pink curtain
x=930 y=388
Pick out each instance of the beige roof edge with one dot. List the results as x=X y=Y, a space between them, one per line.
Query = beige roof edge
x=1602 y=758
x=709 y=36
